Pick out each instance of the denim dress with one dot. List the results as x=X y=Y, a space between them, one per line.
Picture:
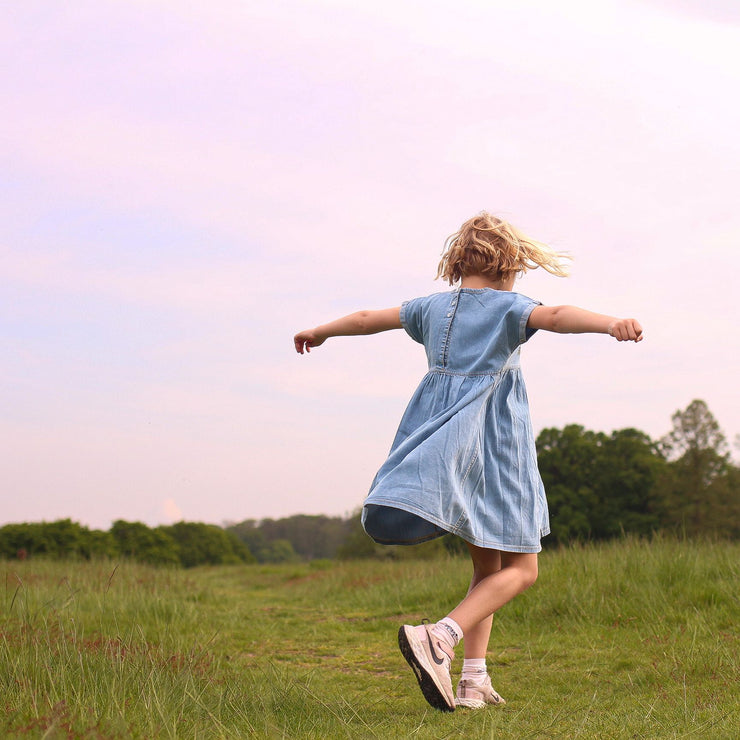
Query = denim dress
x=463 y=459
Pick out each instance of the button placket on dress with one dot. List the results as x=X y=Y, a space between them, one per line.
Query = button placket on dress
x=450 y=318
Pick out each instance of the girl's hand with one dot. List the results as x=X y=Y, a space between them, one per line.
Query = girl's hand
x=307 y=339
x=626 y=330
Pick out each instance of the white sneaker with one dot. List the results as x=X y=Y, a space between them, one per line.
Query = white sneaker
x=476 y=694
x=430 y=660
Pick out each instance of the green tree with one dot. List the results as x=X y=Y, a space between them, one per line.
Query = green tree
x=725 y=492
x=631 y=466
x=64 y=537
x=206 y=544
x=357 y=544
x=279 y=551
x=22 y=540
x=97 y=544
x=599 y=485
x=253 y=539
x=58 y=539
x=568 y=462
x=700 y=493
x=137 y=541
x=310 y=536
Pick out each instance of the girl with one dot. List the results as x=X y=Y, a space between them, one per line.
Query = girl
x=464 y=458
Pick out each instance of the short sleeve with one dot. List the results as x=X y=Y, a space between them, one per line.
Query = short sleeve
x=411 y=318
x=523 y=307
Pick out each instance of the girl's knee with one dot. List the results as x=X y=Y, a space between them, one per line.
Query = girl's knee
x=526 y=569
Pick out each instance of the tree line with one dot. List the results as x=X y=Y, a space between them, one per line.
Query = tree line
x=182 y=544
x=599 y=486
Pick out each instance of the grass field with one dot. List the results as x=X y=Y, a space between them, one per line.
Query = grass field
x=625 y=640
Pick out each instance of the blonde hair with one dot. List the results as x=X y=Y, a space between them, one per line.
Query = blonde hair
x=487 y=245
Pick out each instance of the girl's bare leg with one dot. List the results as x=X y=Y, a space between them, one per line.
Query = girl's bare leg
x=498 y=577
x=486 y=563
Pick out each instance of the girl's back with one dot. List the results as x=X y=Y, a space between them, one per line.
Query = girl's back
x=469 y=331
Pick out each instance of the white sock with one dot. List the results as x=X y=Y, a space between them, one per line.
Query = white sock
x=474 y=669
x=448 y=630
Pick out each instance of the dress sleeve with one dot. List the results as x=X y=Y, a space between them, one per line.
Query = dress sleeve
x=519 y=315
x=411 y=319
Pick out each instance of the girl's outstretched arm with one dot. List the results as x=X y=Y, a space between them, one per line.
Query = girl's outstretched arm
x=573 y=320
x=362 y=322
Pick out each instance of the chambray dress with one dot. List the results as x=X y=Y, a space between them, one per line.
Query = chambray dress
x=463 y=459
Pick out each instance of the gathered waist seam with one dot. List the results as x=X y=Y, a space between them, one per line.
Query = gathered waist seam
x=489 y=374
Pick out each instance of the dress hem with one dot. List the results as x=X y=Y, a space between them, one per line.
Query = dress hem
x=450 y=529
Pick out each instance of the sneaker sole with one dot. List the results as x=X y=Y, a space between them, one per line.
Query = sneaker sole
x=427 y=682
x=470 y=703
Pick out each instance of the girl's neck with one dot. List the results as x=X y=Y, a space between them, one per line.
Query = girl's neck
x=482 y=281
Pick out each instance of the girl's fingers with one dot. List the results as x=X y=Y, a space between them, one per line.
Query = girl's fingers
x=307 y=340
x=627 y=330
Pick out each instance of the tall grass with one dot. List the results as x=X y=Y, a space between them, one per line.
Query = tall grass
x=623 y=640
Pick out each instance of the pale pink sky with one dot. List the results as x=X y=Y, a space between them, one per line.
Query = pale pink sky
x=183 y=188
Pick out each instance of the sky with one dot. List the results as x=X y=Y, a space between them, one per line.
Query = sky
x=186 y=185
